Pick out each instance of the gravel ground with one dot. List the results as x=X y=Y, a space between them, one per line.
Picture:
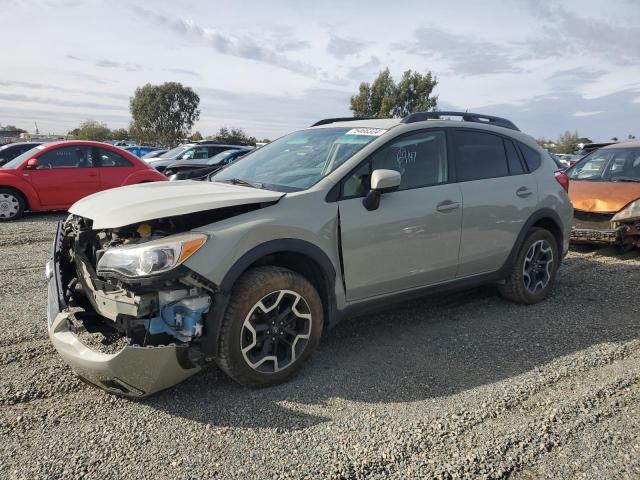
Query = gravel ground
x=462 y=385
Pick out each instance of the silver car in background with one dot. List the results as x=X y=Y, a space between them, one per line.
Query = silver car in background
x=247 y=270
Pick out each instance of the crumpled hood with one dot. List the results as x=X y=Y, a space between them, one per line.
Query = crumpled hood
x=602 y=197
x=122 y=206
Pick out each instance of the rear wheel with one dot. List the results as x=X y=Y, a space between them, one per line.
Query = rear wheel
x=272 y=325
x=12 y=204
x=534 y=271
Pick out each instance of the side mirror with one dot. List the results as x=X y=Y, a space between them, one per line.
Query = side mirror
x=382 y=181
x=32 y=164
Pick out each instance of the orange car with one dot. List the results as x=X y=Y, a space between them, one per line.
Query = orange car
x=604 y=188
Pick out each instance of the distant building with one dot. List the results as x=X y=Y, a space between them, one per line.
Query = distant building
x=41 y=137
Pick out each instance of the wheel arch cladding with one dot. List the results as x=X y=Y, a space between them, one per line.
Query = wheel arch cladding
x=299 y=256
x=552 y=226
x=544 y=218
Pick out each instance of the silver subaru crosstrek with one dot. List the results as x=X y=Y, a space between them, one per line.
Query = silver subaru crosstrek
x=149 y=283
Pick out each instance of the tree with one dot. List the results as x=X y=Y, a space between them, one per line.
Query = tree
x=384 y=98
x=413 y=94
x=120 y=134
x=12 y=128
x=233 y=135
x=631 y=137
x=567 y=142
x=196 y=137
x=92 y=130
x=163 y=114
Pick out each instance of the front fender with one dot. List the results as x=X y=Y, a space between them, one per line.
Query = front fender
x=24 y=187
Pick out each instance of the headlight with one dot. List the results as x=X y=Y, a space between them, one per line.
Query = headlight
x=151 y=258
x=629 y=212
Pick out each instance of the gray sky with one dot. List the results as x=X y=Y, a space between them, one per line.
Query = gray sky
x=271 y=67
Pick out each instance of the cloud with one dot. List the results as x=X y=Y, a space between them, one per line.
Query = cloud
x=567 y=33
x=237 y=46
x=365 y=72
x=254 y=111
x=183 y=71
x=283 y=40
x=586 y=114
x=341 y=47
x=465 y=54
x=550 y=115
x=16 y=97
x=43 y=86
x=129 y=67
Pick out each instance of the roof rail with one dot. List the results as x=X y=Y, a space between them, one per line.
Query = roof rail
x=327 y=121
x=466 y=116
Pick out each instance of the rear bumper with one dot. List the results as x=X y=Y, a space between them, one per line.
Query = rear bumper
x=134 y=371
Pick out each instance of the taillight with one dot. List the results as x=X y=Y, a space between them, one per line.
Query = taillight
x=563 y=179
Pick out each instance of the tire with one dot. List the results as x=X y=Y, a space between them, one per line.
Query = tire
x=534 y=271
x=271 y=326
x=12 y=204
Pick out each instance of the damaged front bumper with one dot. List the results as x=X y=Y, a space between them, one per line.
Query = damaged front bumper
x=134 y=371
x=601 y=228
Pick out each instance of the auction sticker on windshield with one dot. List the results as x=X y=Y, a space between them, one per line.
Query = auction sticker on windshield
x=372 y=132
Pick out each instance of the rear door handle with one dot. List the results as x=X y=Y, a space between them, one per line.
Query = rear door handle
x=523 y=192
x=447 y=206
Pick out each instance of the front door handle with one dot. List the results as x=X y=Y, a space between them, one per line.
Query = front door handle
x=447 y=206
x=523 y=192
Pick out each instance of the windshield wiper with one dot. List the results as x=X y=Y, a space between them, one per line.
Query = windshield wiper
x=239 y=181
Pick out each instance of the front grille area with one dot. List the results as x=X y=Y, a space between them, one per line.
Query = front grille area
x=591 y=221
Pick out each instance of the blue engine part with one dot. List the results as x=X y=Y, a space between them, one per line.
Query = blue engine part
x=180 y=315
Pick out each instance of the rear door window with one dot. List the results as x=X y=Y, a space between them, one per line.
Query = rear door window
x=109 y=158
x=479 y=155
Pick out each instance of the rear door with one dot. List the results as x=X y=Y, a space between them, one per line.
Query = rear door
x=113 y=167
x=64 y=176
x=412 y=239
x=499 y=196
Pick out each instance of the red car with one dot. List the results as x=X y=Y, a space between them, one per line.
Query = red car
x=53 y=176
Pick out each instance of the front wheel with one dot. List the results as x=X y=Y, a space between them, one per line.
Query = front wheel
x=272 y=325
x=12 y=205
x=534 y=271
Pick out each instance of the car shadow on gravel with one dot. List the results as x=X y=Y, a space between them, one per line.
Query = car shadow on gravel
x=429 y=348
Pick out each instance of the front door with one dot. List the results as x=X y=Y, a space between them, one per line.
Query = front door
x=64 y=176
x=412 y=239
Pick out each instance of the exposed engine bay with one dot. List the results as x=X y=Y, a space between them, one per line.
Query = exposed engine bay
x=152 y=308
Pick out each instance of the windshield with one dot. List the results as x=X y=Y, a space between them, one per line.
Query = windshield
x=174 y=152
x=608 y=165
x=299 y=160
x=15 y=163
